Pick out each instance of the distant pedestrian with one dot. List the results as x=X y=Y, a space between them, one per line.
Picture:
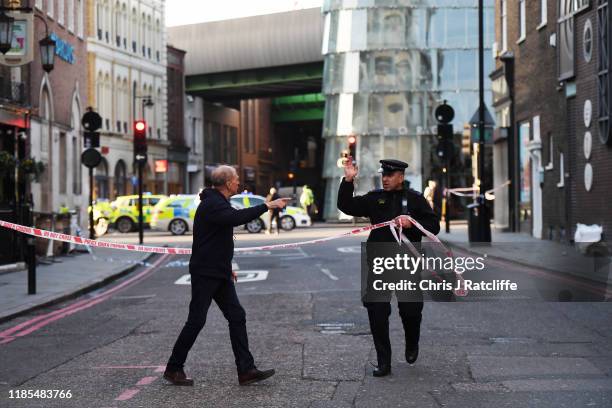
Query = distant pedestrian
x=212 y=277
x=307 y=200
x=274 y=212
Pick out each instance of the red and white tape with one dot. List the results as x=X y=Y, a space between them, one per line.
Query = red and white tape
x=460 y=291
x=41 y=233
x=56 y=236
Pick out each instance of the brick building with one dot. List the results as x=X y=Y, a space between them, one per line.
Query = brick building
x=178 y=151
x=58 y=101
x=548 y=100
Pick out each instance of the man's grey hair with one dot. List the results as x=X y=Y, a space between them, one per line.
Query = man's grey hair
x=222 y=175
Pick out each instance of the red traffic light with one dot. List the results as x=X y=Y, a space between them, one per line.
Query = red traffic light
x=352 y=140
x=140 y=125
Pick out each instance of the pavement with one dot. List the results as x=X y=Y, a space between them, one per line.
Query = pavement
x=64 y=278
x=526 y=250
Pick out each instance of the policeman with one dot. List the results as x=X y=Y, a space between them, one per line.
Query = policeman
x=392 y=201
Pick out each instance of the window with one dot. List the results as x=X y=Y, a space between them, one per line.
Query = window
x=587 y=41
x=80 y=31
x=76 y=167
x=504 y=25
x=63 y=159
x=39 y=4
x=60 y=11
x=50 y=8
x=543 y=13
x=565 y=47
x=522 y=21
x=70 y=15
x=603 y=77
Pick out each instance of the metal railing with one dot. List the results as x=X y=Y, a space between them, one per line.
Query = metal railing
x=12 y=91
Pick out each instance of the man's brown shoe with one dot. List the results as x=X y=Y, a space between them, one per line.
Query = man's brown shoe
x=254 y=375
x=177 y=377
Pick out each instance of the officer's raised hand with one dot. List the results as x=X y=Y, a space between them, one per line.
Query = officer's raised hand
x=350 y=170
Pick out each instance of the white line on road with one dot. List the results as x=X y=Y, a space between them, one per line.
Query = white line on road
x=327 y=273
x=349 y=249
x=243 y=277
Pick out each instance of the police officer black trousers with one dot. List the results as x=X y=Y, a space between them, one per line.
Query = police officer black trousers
x=378 y=315
x=223 y=291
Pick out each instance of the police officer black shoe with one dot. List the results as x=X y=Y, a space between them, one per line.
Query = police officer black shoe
x=382 y=370
x=412 y=353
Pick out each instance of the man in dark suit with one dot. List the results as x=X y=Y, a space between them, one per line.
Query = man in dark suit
x=212 y=277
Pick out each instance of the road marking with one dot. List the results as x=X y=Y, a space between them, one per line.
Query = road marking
x=38 y=322
x=252 y=253
x=243 y=277
x=235 y=266
x=127 y=394
x=146 y=380
x=177 y=264
x=334 y=328
x=327 y=273
x=183 y=280
x=158 y=369
x=135 y=297
x=349 y=249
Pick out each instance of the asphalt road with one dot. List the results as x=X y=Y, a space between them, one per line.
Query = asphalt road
x=305 y=319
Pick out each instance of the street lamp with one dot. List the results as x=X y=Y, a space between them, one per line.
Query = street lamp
x=47 y=53
x=6 y=32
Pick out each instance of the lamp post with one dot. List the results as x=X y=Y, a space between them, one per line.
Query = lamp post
x=484 y=227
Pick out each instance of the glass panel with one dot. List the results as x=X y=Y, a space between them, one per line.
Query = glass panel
x=455 y=28
x=447 y=69
x=467 y=69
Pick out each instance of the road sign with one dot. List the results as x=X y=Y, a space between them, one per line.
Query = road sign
x=140 y=158
x=91 y=158
x=92 y=139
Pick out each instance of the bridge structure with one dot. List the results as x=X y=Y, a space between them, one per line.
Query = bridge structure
x=269 y=56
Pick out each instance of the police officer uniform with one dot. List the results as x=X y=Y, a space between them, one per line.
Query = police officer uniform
x=380 y=206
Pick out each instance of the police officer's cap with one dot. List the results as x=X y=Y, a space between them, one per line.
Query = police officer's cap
x=391 y=165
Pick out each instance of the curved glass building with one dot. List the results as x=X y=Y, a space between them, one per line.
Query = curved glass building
x=388 y=64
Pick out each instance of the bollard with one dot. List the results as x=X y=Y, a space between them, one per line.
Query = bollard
x=31 y=260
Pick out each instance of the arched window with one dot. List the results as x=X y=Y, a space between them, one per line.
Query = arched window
x=120 y=179
x=101 y=180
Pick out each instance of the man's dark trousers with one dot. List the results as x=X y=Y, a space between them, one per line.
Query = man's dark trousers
x=223 y=291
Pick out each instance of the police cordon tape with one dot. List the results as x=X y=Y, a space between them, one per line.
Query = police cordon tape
x=461 y=291
x=471 y=191
x=56 y=236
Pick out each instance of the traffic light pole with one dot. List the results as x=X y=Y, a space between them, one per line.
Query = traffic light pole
x=92 y=231
x=484 y=228
x=140 y=217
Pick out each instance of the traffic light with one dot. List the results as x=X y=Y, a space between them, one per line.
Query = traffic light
x=140 y=140
x=352 y=146
x=290 y=176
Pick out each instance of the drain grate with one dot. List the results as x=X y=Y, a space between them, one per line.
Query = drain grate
x=334 y=328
